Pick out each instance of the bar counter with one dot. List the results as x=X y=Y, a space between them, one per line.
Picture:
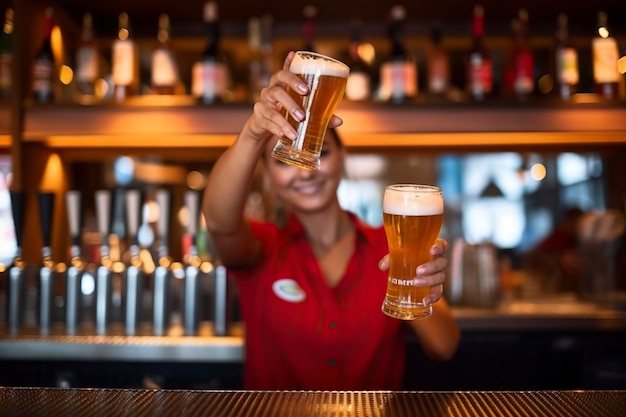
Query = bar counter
x=51 y=402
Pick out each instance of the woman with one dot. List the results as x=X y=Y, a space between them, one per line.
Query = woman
x=311 y=292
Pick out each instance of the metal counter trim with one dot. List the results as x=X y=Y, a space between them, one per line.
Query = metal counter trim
x=17 y=402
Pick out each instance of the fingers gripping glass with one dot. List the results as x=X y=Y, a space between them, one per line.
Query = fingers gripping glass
x=326 y=78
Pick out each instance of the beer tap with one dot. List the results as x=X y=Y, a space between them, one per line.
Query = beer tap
x=134 y=272
x=192 y=269
x=162 y=273
x=104 y=273
x=73 y=200
x=16 y=272
x=47 y=270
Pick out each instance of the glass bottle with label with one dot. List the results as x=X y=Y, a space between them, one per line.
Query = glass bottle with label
x=210 y=73
x=87 y=61
x=164 y=67
x=124 y=62
x=519 y=74
x=43 y=66
x=605 y=60
x=6 y=55
x=398 y=76
x=308 y=28
x=479 y=68
x=566 y=61
x=437 y=64
x=358 y=87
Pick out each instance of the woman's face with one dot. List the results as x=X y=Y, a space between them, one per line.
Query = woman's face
x=304 y=190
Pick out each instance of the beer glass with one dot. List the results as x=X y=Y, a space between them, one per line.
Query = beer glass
x=412 y=216
x=326 y=78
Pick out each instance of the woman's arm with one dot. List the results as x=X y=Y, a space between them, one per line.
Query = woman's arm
x=230 y=180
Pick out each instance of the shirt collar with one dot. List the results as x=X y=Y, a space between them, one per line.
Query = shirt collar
x=293 y=228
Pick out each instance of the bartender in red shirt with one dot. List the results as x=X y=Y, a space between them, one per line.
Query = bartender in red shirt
x=311 y=290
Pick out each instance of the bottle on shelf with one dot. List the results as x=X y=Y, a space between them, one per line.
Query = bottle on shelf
x=164 y=67
x=308 y=28
x=44 y=66
x=124 y=62
x=87 y=62
x=479 y=68
x=261 y=60
x=566 y=73
x=605 y=60
x=398 y=76
x=358 y=87
x=6 y=55
x=210 y=74
x=519 y=73
x=437 y=63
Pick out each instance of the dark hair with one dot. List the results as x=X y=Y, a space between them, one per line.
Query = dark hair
x=338 y=139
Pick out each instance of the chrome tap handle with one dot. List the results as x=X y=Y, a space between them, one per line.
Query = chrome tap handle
x=74 y=273
x=133 y=214
x=103 y=275
x=46 y=272
x=164 y=201
x=134 y=271
x=192 y=202
x=16 y=272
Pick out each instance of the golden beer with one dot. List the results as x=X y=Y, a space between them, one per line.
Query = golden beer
x=326 y=78
x=412 y=216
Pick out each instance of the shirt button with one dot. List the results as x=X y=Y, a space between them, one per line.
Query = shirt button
x=332 y=324
x=332 y=362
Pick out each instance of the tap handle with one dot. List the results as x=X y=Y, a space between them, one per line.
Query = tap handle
x=164 y=200
x=192 y=202
x=103 y=212
x=73 y=201
x=133 y=212
x=17 y=209
x=46 y=208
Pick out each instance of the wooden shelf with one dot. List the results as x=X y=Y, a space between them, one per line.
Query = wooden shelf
x=365 y=125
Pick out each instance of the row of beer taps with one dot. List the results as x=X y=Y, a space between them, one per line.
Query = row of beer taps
x=133 y=274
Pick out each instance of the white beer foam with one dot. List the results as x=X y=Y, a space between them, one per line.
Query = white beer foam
x=413 y=203
x=306 y=63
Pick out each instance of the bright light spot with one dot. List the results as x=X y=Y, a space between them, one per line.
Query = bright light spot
x=621 y=65
x=66 y=75
x=88 y=284
x=538 y=172
x=367 y=52
x=195 y=180
x=603 y=32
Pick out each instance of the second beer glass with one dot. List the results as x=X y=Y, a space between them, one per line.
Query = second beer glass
x=326 y=78
x=412 y=215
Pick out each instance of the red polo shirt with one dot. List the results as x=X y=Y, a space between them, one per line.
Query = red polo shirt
x=303 y=334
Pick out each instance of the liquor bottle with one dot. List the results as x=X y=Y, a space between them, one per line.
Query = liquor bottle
x=43 y=66
x=210 y=73
x=308 y=28
x=261 y=61
x=605 y=57
x=398 y=76
x=438 y=64
x=164 y=67
x=87 y=61
x=566 y=61
x=519 y=77
x=124 y=62
x=479 y=68
x=6 y=55
x=358 y=87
